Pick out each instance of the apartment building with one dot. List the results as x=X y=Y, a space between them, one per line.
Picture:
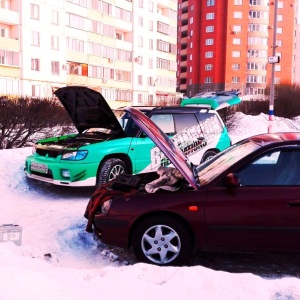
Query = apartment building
x=124 y=49
x=225 y=45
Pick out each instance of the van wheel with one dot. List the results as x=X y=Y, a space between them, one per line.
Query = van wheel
x=208 y=155
x=110 y=169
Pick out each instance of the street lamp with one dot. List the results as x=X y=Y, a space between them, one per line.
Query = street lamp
x=273 y=60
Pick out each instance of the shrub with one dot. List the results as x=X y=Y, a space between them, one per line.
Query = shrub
x=24 y=120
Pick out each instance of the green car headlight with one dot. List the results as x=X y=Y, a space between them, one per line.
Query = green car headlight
x=75 y=155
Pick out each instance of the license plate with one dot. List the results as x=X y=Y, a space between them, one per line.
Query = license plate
x=10 y=236
x=42 y=168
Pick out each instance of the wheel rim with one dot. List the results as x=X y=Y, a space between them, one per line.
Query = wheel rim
x=161 y=244
x=115 y=171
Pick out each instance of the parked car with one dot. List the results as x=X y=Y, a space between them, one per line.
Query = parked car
x=109 y=143
x=244 y=199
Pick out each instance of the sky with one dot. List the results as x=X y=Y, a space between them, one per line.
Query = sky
x=59 y=260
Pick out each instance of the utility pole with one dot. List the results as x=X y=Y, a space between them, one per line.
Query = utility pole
x=273 y=60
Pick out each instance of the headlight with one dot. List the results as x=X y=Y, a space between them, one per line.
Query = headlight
x=75 y=155
x=106 y=206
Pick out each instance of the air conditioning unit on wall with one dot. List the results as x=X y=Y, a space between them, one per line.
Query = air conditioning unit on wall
x=65 y=67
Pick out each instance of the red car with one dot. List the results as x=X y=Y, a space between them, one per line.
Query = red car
x=245 y=199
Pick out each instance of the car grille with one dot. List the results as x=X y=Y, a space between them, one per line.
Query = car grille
x=47 y=152
x=48 y=175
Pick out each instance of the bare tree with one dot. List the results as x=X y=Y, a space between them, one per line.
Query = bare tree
x=24 y=120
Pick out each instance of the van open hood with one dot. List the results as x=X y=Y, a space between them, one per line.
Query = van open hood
x=170 y=150
x=87 y=109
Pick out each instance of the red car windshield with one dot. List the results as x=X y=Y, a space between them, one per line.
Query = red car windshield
x=209 y=170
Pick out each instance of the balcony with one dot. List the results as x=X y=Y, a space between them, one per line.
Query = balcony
x=183 y=51
x=9 y=44
x=184 y=5
x=185 y=16
x=9 y=17
x=183 y=63
x=183 y=75
x=123 y=25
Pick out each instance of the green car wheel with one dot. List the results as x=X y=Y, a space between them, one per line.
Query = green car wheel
x=110 y=169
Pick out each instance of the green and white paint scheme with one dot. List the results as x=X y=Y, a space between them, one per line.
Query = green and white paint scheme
x=109 y=143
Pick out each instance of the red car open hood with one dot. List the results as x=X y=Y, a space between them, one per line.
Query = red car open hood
x=170 y=150
x=87 y=109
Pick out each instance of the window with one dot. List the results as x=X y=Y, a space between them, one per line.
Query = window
x=141 y=4
x=151 y=6
x=140 y=98
x=107 y=8
x=151 y=25
x=237 y=14
x=279 y=18
x=123 y=14
x=277 y=67
x=256 y=40
x=279 y=30
x=258 y=2
x=257 y=14
x=235 y=79
x=123 y=75
x=35 y=64
x=236 y=67
x=210 y=16
x=275 y=168
x=191 y=20
x=237 y=28
x=256 y=27
x=3 y=32
x=236 y=41
x=150 y=63
x=209 y=41
x=236 y=54
x=238 y=2
x=210 y=29
x=165 y=122
x=150 y=44
x=35 y=38
x=210 y=2
x=36 y=90
x=140 y=79
x=54 y=17
x=54 y=42
x=280 y=4
x=209 y=54
x=9 y=57
x=208 y=80
x=208 y=67
x=34 y=12
x=55 y=67
x=140 y=41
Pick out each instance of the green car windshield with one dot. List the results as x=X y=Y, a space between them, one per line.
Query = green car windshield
x=126 y=122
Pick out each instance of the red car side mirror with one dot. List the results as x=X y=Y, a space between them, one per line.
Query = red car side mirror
x=232 y=180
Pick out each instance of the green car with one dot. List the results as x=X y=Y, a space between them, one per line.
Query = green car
x=108 y=142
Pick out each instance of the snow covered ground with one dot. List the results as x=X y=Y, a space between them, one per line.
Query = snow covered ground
x=59 y=260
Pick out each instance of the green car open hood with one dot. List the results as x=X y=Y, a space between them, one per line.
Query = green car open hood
x=215 y=100
x=87 y=109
